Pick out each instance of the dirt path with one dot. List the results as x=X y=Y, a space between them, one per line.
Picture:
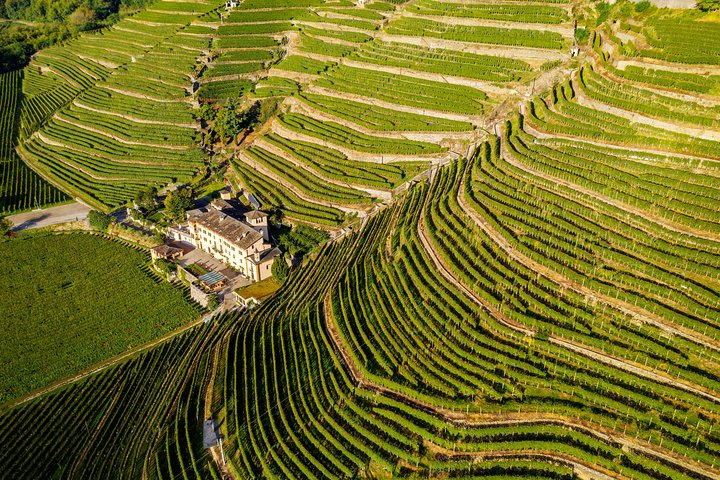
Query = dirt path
x=115 y=137
x=103 y=365
x=660 y=221
x=699 y=132
x=278 y=128
x=520 y=53
x=303 y=78
x=633 y=311
x=647 y=62
x=537 y=132
x=566 y=283
x=46 y=217
x=360 y=209
x=483 y=86
x=566 y=30
x=474 y=119
x=601 y=68
x=55 y=143
x=297 y=105
x=130 y=93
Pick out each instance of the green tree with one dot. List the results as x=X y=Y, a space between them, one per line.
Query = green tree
x=177 y=202
x=227 y=122
x=708 y=5
x=165 y=266
x=206 y=112
x=280 y=269
x=642 y=6
x=5 y=225
x=145 y=197
x=213 y=301
x=98 y=220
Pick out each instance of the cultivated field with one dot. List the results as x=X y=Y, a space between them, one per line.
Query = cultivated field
x=532 y=289
x=72 y=300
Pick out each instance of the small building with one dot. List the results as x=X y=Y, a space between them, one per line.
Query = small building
x=180 y=233
x=261 y=263
x=226 y=194
x=166 y=252
x=222 y=205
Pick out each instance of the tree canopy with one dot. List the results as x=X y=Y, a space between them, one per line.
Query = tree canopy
x=98 y=220
x=709 y=5
x=280 y=269
x=145 y=197
x=54 y=21
x=177 y=202
x=5 y=225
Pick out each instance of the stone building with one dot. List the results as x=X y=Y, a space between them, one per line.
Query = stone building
x=241 y=244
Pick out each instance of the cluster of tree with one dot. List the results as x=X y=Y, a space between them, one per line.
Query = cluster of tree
x=37 y=24
x=280 y=269
x=708 y=5
x=145 y=198
x=230 y=120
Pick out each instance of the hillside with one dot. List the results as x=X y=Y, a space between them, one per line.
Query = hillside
x=523 y=279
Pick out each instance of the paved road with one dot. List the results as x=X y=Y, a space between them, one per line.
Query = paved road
x=50 y=216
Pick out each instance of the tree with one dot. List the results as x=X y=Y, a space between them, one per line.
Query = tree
x=82 y=18
x=280 y=269
x=177 y=202
x=227 y=123
x=165 y=266
x=5 y=225
x=206 y=112
x=708 y=5
x=98 y=220
x=212 y=301
x=145 y=197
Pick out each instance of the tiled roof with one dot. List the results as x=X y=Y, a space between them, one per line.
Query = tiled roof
x=166 y=249
x=252 y=215
x=231 y=229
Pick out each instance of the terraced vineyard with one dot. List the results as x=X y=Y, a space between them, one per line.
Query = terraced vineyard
x=111 y=112
x=523 y=279
x=20 y=187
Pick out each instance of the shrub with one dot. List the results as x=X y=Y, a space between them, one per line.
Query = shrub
x=98 y=220
x=642 y=6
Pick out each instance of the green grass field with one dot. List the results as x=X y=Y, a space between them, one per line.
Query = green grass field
x=72 y=300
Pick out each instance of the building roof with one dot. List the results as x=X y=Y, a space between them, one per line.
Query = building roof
x=221 y=205
x=166 y=250
x=231 y=229
x=194 y=212
x=211 y=278
x=255 y=214
x=266 y=256
x=253 y=201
